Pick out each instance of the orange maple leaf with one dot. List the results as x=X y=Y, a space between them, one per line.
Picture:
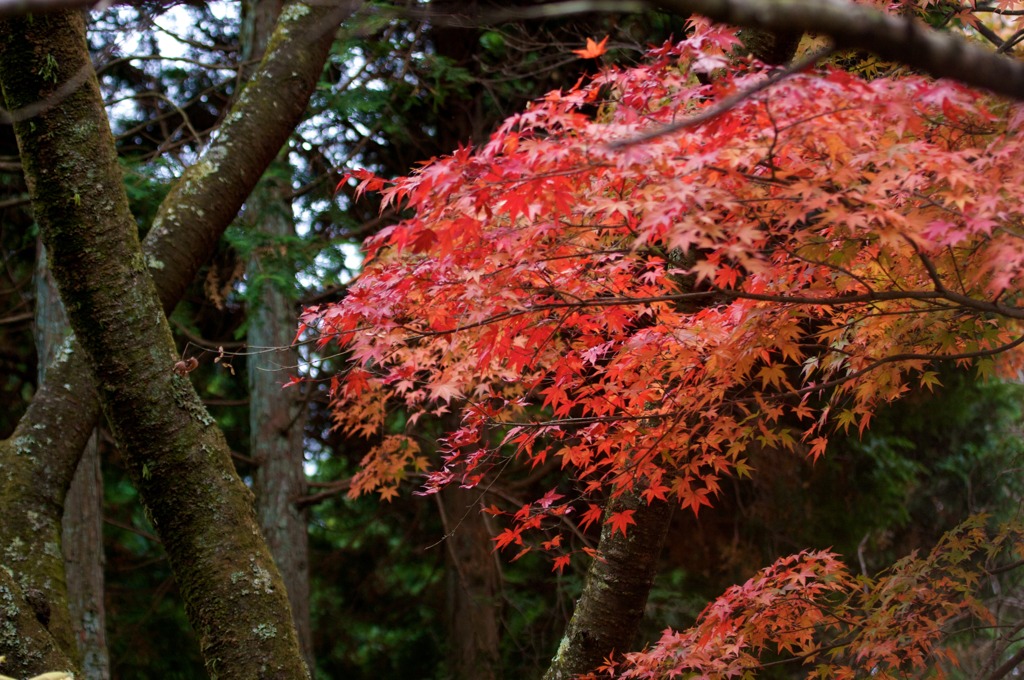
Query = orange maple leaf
x=593 y=49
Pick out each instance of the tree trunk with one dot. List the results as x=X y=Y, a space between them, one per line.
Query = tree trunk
x=25 y=643
x=82 y=546
x=474 y=584
x=177 y=456
x=276 y=416
x=82 y=524
x=611 y=607
x=38 y=460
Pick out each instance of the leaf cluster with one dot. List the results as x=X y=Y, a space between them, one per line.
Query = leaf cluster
x=640 y=303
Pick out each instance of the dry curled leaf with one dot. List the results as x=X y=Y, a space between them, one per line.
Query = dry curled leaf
x=186 y=366
x=223 y=361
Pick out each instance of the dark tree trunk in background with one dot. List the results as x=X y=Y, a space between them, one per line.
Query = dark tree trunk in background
x=82 y=534
x=276 y=416
x=474 y=587
x=82 y=524
x=473 y=577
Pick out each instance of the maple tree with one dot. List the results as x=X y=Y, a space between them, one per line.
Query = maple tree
x=668 y=298
x=644 y=275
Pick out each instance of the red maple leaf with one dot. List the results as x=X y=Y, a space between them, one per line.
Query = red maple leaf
x=561 y=562
x=592 y=514
x=621 y=520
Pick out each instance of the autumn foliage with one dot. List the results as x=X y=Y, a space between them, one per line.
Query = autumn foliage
x=639 y=284
x=808 y=608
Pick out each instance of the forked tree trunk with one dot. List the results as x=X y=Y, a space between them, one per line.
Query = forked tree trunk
x=38 y=460
x=176 y=454
x=82 y=524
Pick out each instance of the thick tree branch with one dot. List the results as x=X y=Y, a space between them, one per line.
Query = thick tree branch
x=1007 y=666
x=905 y=40
x=208 y=196
x=849 y=25
x=943 y=55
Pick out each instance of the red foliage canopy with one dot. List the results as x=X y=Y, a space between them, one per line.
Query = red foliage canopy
x=642 y=312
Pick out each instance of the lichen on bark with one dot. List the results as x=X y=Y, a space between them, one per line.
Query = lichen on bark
x=25 y=644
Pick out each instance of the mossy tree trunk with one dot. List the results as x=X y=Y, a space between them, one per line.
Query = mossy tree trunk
x=174 y=451
x=25 y=643
x=82 y=523
x=609 y=611
x=37 y=461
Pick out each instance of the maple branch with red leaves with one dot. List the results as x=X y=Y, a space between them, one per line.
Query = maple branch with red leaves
x=643 y=314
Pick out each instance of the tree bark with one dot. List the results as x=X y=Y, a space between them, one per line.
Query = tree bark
x=38 y=460
x=474 y=586
x=177 y=456
x=82 y=523
x=276 y=416
x=611 y=606
x=25 y=643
